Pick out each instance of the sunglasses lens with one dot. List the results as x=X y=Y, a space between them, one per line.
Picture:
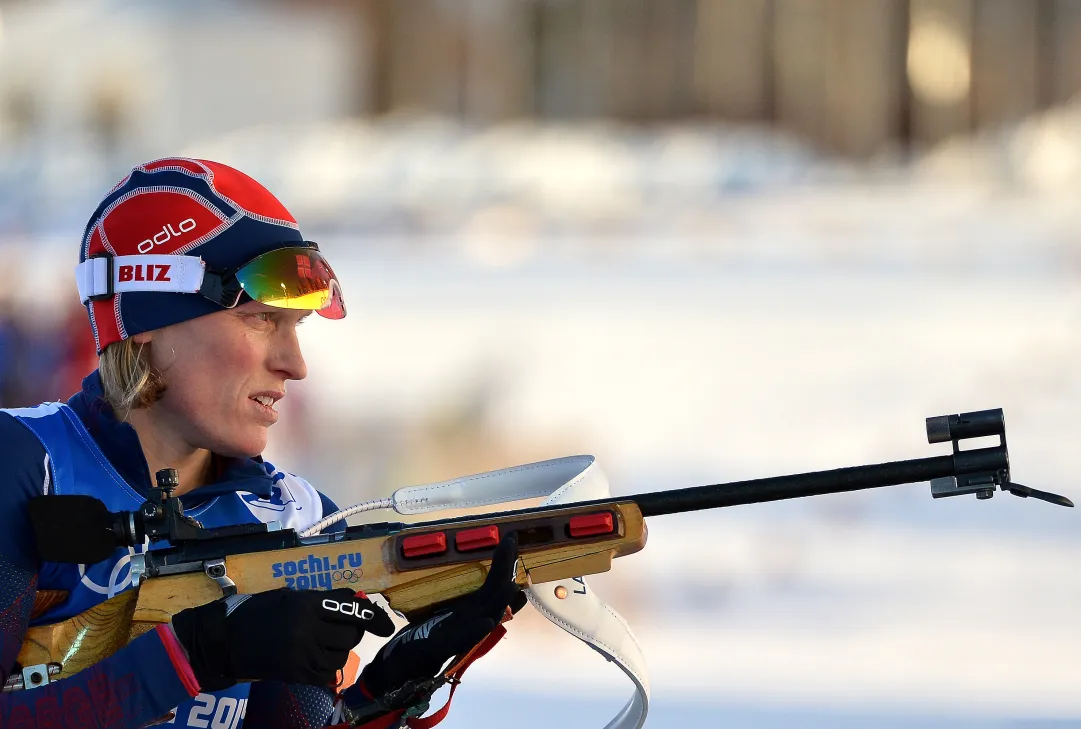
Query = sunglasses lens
x=293 y=278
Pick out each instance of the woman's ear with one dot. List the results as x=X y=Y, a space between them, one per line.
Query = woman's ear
x=142 y=337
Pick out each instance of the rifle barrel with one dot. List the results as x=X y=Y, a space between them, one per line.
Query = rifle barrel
x=777 y=488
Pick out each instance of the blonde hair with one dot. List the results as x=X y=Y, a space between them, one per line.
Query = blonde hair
x=128 y=379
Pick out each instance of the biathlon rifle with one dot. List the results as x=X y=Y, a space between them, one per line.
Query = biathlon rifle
x=418 y=566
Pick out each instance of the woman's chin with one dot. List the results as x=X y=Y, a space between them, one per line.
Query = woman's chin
x=248 y=446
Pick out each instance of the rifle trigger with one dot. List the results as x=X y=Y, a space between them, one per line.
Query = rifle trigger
x=138 y=569
x=215 y=570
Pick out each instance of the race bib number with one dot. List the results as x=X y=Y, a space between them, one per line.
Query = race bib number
x=211 y=711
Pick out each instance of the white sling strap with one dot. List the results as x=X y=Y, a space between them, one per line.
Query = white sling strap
x=585 y=616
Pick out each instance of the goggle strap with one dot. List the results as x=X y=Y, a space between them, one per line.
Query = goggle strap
x=103 y=276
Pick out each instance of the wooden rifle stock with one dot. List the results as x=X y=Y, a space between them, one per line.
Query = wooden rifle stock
x=411 y=586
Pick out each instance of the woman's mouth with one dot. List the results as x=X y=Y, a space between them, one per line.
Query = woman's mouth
x=265 y=404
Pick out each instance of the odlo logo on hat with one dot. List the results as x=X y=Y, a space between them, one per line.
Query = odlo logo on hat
x=177 y=206
x=167 y=234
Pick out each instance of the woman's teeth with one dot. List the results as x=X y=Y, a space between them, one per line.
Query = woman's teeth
x=266 y=400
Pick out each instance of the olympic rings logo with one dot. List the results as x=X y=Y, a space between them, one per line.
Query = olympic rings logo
x=347 y=575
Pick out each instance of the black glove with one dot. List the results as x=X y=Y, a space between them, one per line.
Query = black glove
x=419 y=651
x=294 y=636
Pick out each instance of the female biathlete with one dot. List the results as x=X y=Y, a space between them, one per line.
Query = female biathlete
x=195 y=279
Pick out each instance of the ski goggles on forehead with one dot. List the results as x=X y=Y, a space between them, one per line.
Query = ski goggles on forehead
x=291 y=277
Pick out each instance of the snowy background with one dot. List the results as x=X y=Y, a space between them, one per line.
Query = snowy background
x=689 y=302
x=882 y=608
x=779 y=327
x=789 y=327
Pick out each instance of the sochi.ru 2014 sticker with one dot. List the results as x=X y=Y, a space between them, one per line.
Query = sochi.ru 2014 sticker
x=315 y=571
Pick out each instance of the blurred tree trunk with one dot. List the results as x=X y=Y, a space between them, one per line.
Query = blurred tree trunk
x=650 y=72
x=427 y=56
x=1005 y=54
x=371 y=21
x=571 y=49
x=864 y=74
x=733 y=66
x=499 y=60
x=933 y=26
x=799 y=41
x=1062 y=60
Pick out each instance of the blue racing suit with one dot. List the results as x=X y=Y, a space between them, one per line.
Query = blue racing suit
x=79 y=447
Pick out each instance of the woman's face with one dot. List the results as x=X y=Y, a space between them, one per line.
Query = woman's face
x=224 y=373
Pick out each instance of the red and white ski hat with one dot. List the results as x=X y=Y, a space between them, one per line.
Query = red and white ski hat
x=180 y=238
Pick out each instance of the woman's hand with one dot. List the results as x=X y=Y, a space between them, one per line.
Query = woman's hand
x=420 y=651
x=293 y=636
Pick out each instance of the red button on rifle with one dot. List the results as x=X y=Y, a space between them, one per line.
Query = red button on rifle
x=423 y=545
x=479 y=538
x=590 y=525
